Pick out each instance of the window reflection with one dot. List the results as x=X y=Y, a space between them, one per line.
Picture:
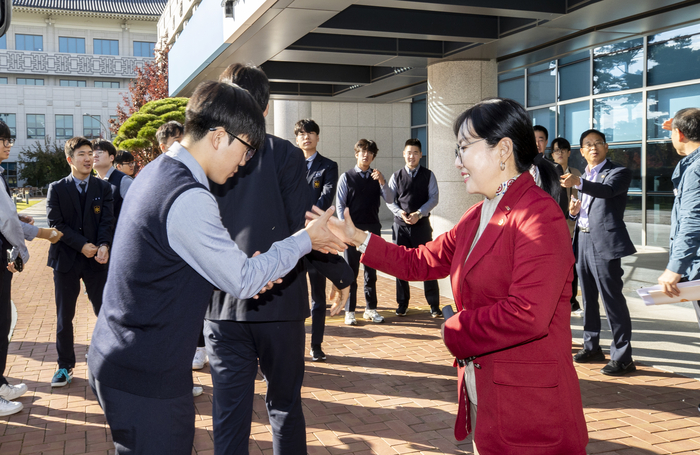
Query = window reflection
x=629 y=156
x=545 y=117
x=541 y=84
x=619 y=117
x=512 y=85
x=574 y=119
x=659 y=219
x=618 y=66
x=633 y=218
x=661 y=161
x=663 y=104
x=666 y=50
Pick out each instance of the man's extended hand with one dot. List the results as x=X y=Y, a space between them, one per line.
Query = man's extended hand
x=89 y=250
x=102 y=254
x=322 y=239
x=337 y=298
x=669 y=282
x=26 y=219
x=345 y=229
x=668 y=124
x=569 y=180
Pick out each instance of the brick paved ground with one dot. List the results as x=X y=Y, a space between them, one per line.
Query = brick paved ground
x=385 y=389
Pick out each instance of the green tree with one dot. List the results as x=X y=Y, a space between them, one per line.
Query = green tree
x=138 y=133
x=41 y=164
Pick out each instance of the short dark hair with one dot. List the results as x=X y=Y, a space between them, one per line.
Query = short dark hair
x=591 y=131
x=687 y=121
x=364 y=144
x=75 y=143
x=543 y=129
x=562 y=143
x=250 y=78
x=123 y=157
x=306 y=125
x=5 y=130
x=413 y=142
x=173 y=128
x=102 y=144
x=215 y=104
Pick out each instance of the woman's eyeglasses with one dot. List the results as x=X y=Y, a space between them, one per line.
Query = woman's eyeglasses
x=463 y=148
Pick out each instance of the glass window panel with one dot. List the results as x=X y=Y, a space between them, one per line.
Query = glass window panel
x=35 y=126
x=11 y=121
x=544 y=117
x=574 y=119
x=659 y=208
x=29 y=42
x=663 y=58
x=143 y=49
x=91 y=126
x=633 y=218
x=618 y=66
x=663 y=104
x=64 y=126
x=629 y=156
x=619 y=117
x=512 y=85
x=72 y=83
x=574 y=58
x=71 y=45
x=575 y=80
x=3 y=42
x=29 y=81
x=541 y=84
x=661 y=161
x=3 y=80
x=419 y=111
x=106 y=47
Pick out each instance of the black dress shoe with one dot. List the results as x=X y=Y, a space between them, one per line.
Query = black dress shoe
x=401 y=310
x=584 y=356
x=435 y=313
x=317 y=354
x=615 y=368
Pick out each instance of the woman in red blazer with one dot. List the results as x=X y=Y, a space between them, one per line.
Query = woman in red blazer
x=510 y=263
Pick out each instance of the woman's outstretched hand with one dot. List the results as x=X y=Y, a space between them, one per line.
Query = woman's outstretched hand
x=345 y=229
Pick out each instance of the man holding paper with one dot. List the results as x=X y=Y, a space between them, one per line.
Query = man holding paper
x=684 y=249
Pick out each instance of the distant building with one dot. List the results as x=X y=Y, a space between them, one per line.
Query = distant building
x=64 y=65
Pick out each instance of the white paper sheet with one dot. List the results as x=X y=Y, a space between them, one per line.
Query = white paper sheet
x=690 y=290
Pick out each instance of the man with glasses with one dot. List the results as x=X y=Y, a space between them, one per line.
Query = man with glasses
x=124 y=162
x=14 y=230
x=416 y=194
x=172 y=249
x=600 y=241
x=104 y=154
x=561 y=151
x=80 y=206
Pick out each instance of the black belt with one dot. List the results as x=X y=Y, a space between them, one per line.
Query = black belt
x=584 y=229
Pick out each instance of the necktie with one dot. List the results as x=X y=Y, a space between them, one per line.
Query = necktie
x=365 y=174
x=83 y=191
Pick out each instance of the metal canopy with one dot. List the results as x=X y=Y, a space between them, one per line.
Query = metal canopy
x=379 y=50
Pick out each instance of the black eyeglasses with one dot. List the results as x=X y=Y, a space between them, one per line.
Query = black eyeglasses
x=250 y=150
x=9 y=142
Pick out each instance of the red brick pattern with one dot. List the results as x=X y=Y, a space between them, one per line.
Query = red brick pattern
x=386 y=389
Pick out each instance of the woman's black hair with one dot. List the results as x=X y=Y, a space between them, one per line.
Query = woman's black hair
x=493 y=119
x=562 y=143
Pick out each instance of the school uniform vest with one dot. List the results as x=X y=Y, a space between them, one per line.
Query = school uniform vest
x=363 y=198
x=412 y=192
x=154 y=302
x=115 y=179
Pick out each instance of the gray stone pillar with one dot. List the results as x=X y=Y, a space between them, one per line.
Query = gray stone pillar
x=286 y=114
x=452 y=88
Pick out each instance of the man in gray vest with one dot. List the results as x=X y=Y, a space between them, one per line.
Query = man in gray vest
x=416 y=194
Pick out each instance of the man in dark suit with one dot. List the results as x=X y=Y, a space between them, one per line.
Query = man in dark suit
x=264 y=202
x=322 y=178
x=601 y=240
x=80 y=206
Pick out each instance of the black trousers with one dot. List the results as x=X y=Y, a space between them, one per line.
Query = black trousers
x=5 y=317
x=67 y=290
x=146 y=426
x=600 y=277
x=412 y=237
x=352 y=257
x=318 y=305
x=235 y=349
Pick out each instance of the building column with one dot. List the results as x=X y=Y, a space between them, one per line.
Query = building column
x=453 y=87
x=286 y=114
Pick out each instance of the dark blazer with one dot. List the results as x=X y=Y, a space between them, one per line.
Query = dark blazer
x=264 y=202
x=322 y=177
x=95 y=225
x=606 y=212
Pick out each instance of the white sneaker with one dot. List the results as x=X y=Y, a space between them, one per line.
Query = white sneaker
x=9 y=407
x=200 y=359
x=197 y=391
x=372 y=315
x=11 y=392
x=350 y=318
